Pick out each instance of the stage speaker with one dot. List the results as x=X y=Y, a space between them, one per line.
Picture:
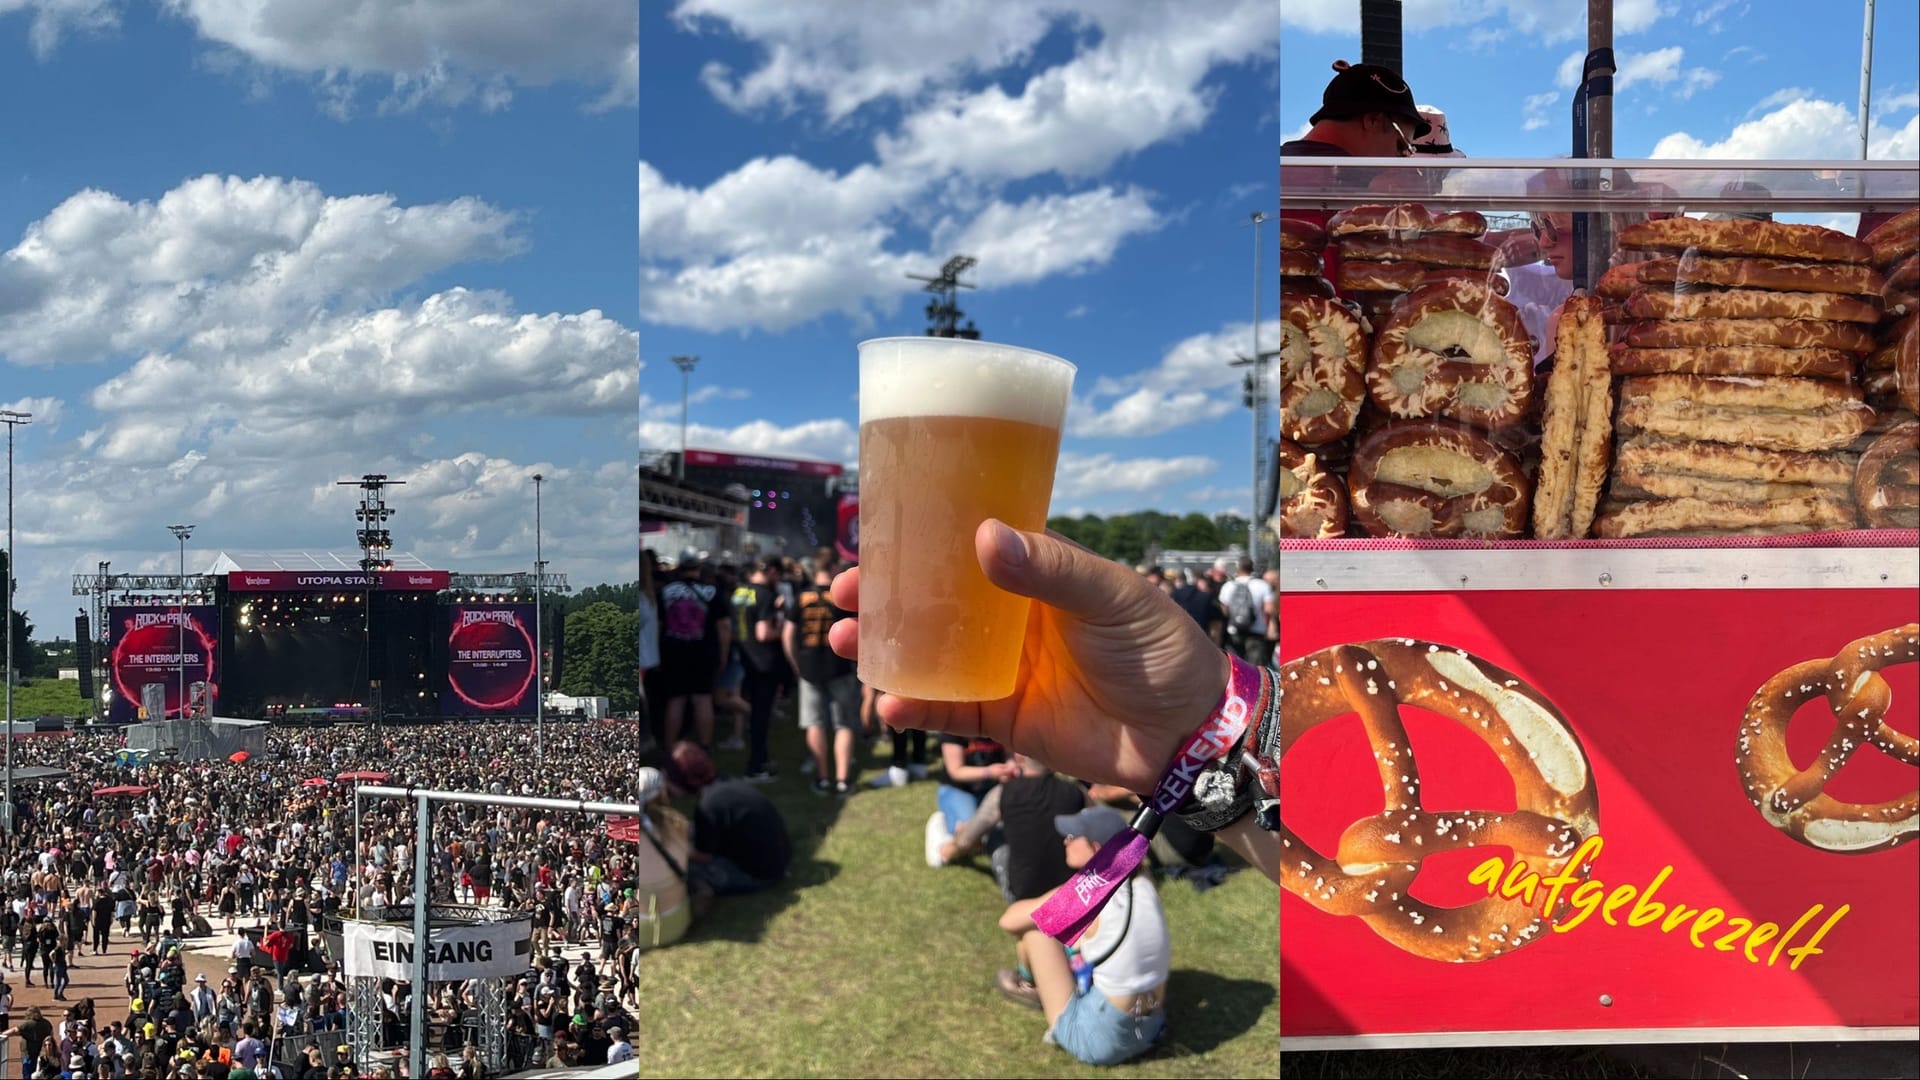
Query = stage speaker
x=83 y=655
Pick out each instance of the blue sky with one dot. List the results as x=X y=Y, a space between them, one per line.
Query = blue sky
x=251 y=248
x=1711 y=78
x=1101 y=161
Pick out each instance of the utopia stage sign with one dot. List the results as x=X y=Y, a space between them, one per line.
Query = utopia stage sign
x=1644 y=815
x=490 y=660
x=326 y=580
x=170 y=646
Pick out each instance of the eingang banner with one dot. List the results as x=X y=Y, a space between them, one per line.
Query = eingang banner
x=151 y=645
x=1607 y=815
x=482 y=951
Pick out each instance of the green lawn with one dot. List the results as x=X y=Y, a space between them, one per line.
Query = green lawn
x=49 y=697
x=866 y=962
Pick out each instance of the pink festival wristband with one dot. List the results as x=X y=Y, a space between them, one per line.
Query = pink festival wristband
x=1073 y=906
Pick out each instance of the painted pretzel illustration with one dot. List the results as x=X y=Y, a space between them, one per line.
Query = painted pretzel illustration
x=1791 y=798
x=1378 y=857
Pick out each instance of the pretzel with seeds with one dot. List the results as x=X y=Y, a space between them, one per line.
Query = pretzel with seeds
x=1790 y=798
x=1378 y=857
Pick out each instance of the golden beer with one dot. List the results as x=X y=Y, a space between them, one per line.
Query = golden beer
x=951 y=433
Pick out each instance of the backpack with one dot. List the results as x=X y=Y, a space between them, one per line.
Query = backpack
x=1237 y=597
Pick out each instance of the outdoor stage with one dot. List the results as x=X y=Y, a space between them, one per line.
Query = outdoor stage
x=310 y=638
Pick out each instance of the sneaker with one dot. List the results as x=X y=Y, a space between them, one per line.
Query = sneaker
x=918 y=772
x=1016 y=989
x=893 y=777
x=842 y=788
x=822 y=786
x=764 y=775
x=937 y=834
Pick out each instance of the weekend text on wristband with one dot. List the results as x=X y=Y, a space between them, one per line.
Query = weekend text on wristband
x=1072 y=907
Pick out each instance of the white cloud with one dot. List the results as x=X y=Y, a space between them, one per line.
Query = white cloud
x=44 y=412
x=1752 y=54
x=441 y=52
x=1808 y=129
x=261 y=350
x=1077 y=311
x=1660 y=67
x=56 y=19
x=1052 y=234
x=99 y=276
x=832 y=439
x=1783 y=96
x=1080 y=476
x=1535 y=110
x=370 y=373
x=1139 y=86
x=1893 y=103
x=777 y=241
x=1193 y=382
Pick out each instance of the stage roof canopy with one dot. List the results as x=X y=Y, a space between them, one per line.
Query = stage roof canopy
x=308 y=561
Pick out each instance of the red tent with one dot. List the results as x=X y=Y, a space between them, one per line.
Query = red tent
x=363 y=776
x=626 y=830
x=315 y=781
x=121 y=789
x=238 y=757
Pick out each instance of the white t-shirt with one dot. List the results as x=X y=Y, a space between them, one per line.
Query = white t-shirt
x=1132 y=938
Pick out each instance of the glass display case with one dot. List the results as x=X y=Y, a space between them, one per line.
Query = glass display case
x=1599 y=353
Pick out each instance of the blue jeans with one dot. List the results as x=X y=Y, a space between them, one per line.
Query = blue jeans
x=1096 y=1033
x=956 y=805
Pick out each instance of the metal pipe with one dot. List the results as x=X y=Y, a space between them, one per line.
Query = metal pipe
x=1259 y=400
x=13 y=420
x=539 y=649
x=422 y=887
x=474 y=798
x=1866 y=76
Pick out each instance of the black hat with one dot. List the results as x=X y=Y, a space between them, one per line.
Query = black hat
x=1359 y=89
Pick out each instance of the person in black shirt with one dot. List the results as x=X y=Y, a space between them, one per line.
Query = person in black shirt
x=1029 y=860
x=829 y=690
x=756 y=633
x=1198 y=599
x=740 y=842
x=694 y=635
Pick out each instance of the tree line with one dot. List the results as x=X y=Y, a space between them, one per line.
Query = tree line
x=1132 y=538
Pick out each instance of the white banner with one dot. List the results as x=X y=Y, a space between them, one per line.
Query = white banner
x=486 y=951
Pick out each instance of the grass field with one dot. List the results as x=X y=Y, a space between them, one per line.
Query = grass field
x=49 y=697
x=866 y=962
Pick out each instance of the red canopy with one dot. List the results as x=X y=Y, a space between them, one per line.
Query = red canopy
x=624 y=829
x=365 y=776
x=122 y=789
x=238 y=756
x=315 y=781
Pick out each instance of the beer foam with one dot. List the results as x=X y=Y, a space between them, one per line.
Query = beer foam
x=923 y=376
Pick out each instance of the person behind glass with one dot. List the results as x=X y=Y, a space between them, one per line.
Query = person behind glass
x=1366 y=111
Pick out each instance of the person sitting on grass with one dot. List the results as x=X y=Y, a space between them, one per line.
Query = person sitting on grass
x=973 y=767
x=1120 y=1011
x=740 y=842
x=1029 y=861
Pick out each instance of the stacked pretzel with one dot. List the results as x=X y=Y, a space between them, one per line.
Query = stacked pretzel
x=1887 y=481
x=1387 y=252
x=1739 y=348
x=1301 y=270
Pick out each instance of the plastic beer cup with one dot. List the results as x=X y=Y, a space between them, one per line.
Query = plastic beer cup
x=952 y=432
